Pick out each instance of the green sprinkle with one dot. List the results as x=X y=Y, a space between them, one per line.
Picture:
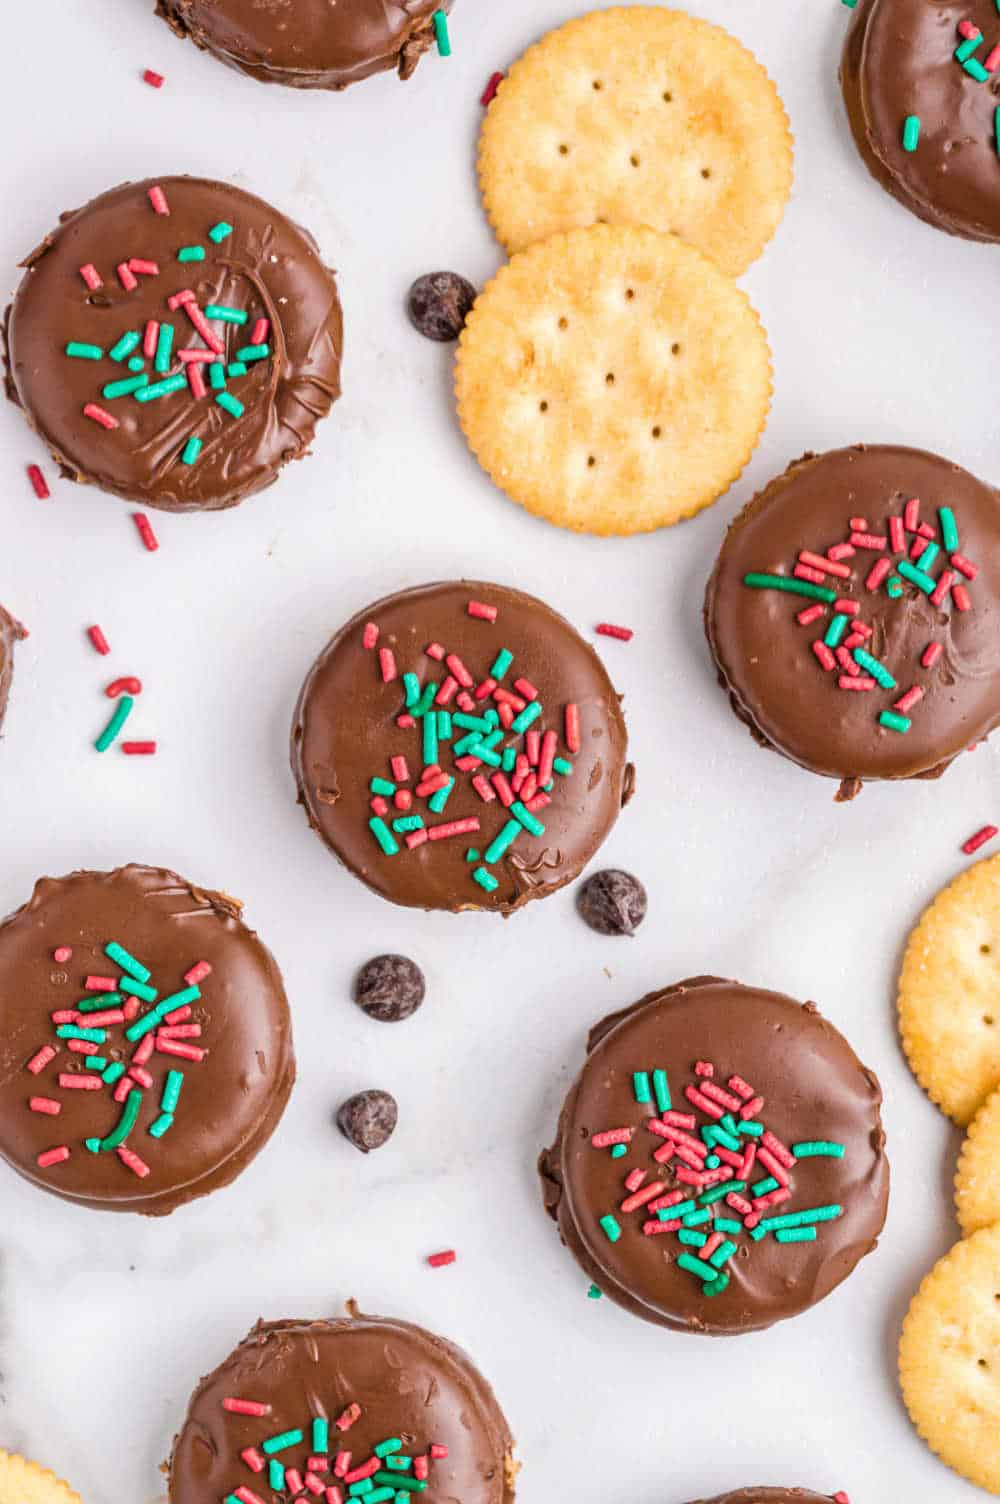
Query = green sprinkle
x=716 y=1286
x=911 y=132
x=949 y=529
x=382 y=786
x=727 y=1140
x=426 y=700
x=220 y=232
x=122 y=712
x=727 y=1224
x=125 y=1124
x=223 y=315
x=928 y=556
x=320 y=1435
x=161 y=388
x=469 y=723
x=162 y=1124
x=849 y=3
x=407 y=823
x=722 y=1254
x=528 y=715
x=124 y=347
x=178 y=999
x=191 y=253
x=139 y=989
x=791 y=586
x=752 y=1129
x=680 y=1209
x=250 y=353
x=696 y=1266
x=894 y=587
x=444 y=725
x=236 y=368
x=500 y=843
x=485 y=879
x=509 y=760
x=878 y=671
x=818 y=1149
x=640 y=1085
x=501 y=663
x=383 y=835
x=441 y=33
x=276 y=1475
x=895 y=722
x=661 y=1091
x=764 y=1187
x=472 y=855
x=382 y=1495
x=96 y=1004
x=757 y=1233
x=486 y=754
x=387 y=1447
x=492 y=717
x=437 y=802
x=217 y=376
x=77 y=351
x=411 y=689
x=796 y=1235
x=996 y=122
x=121 y=957
x=619 y=1151
x=836 y=630
x=710 y=1197
x=593 y=1293
x=690 y=1238
x=136 y=364
x=93 y=1144
x=611 y=1229
x=916 y=576
x=712 y=1162
x=968 y=47
x=523 y=814
x=803 y=1219
x=430 y=740
x=113 y=1073
x=562 y=766
x=698 y=1218
x=192 y=449
x=143 y=1025
x=281 y=1443
x=171 y=1090
x=399 y=1464
x=230 y=404
x=976 y=70
x=95 y=1063
x=164 y=345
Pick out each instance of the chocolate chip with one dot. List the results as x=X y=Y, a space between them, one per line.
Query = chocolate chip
x=439 y=304
x=368 y=1119
x=389 y=988
x=612 y=902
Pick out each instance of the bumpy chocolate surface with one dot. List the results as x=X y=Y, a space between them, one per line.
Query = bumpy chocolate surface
x=899 y=60
x=312 y=44
x=774 y=1496
x=265 y=268
x=815 y=1091
x=11 y=632
x=765 y=656
x=235 y=1041
x=406 y=1384
x=346 y=733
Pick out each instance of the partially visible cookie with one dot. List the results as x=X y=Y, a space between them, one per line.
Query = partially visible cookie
x=24 y=1482
x=11 y=632
x=639 y=116
x=949 y=993
x=977 y=1181
x=949 y=1359
x=613 y=380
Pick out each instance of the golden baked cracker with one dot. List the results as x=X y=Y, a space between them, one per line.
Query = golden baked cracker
x=949 y=993
x=638 y=116
x=977 y=1181
x=612 y=380
x=949 y=1359
x=24 y=1482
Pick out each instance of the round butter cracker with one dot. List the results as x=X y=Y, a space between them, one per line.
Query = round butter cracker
x=641 y=116
x=612 y=380
x=24 y=1482
x=977 y=1182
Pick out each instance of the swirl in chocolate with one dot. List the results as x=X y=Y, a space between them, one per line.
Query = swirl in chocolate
x=320 y=1408
x=175 y=342
x=932 y=63
x=146 y=1056
x=719 y=1162
x=460 y=746
x=312 y=44
x=776 y=1496
x=863 y=651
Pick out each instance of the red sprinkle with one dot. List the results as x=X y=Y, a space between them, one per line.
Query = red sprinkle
x=53 y=1156
x=158 y=199
x=145 y=528
x=859 y=682
x=878 y=573
x=906 y=702
x=969 y=30
x=370 y=635
x=132 y=1162
x=911 y=514
x=155 y=80
x=608 y=629
x=260 y=331
x=99 y=640
x=91 y=276
x=126 y=277
x=489 y=93
x=81 y=1046
x=246 y=1407
x=572 y=728
x=965 y=566
x=825 y=566
x=38 y=483
x=809 y=614
x=196 y=381
x=199 y=971
x=45 y=1104
x=979 y=839
x=960 y=596
x=847 y=607
x=143 y=268
x=859 y=524
x=128 y=686
x=344 y=1422
x=99 y=415
x=944 y=584
x=387 y=663
x=926 y=531
x=254 y=1460
x=897 y=535
x=139 y=749
x=453 y=828
x=824 y=655
x=483 y=789
x=847 y=663
x=481 y=611
x=804 y=572
x=364 y=1471
x=438 y=1451
x=460 y=671
x=932 y=652
x=435 y=650
x=438 y=1261
x=841 y=551
x=70 y=1081
x=872 y=541
x=62 y=954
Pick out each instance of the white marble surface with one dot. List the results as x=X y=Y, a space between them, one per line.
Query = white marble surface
x=880 y=328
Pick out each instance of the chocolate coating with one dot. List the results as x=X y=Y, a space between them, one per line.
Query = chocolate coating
x=409 y=1384
x=230 y=1102
x=313 y=44
x=345 y=733
x=764 y=656
x=267 y=268
x=899 y=61
x=771 y=1496
x=11 y=632
x=814 y=1088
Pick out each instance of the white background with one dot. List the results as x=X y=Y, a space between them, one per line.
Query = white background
x=881 y=330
